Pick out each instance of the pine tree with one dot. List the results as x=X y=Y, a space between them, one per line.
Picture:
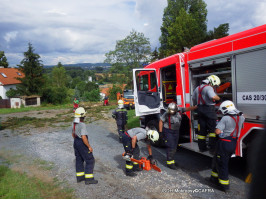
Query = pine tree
x=32 y=68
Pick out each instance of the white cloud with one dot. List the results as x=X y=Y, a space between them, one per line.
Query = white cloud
x=10 y=36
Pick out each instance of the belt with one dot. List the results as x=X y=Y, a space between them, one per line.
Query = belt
x=229 y=139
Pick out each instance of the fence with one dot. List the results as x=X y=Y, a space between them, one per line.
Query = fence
x=5 y=103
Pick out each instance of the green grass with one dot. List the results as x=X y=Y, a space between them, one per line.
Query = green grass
x=14 y=185
x=132 y=121
x=43 y=107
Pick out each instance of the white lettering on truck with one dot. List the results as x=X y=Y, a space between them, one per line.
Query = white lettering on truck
x=251 y=97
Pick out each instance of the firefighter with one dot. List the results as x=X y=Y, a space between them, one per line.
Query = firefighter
x=169 y=125
x=120 y=115
x=228 y=130
x=83 y=149
x=75 y=104
x=205 y=97
x=130 y=140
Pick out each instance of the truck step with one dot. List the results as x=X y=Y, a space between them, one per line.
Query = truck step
x=193 y=146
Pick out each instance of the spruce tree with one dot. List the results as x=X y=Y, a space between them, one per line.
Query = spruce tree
x=32 y=68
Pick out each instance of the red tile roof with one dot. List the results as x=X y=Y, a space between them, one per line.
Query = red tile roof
x=8 y=76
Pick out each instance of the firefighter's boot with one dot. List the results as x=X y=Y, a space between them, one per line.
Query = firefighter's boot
x=202 y=143
x=92 y=181
x=214 y=180
x=173 y=167
x=81 y=179
x=171 y=164
x=224 y=188
x=136 y=167
x=132 y=174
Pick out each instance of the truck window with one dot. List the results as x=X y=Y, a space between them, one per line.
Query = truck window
x=146 y=81
x=153 y=82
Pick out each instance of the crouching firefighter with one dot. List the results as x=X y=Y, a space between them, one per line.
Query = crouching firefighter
x=169 y=125
x=120 y=115
x=228 y=130
x=205 y=97
x=83 y=149
x=130 y=140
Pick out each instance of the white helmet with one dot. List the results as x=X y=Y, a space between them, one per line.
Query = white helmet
x=120 y=103
x=214 y=80
x=80 y=112
x=172 y=108
x=153 y=135
x=228 y=107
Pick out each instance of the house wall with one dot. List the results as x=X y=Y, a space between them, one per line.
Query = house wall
x=1 y=91
x=4 y=89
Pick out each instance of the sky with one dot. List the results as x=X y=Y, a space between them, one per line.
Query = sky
x=82 y=31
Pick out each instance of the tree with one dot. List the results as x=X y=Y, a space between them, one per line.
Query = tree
x=155 y=55
x=219 y=32
x=3 y=60
x=194 y=26
x=32 y=67
x=185 y=25
x=129 y=53
x=59 y=76
x=180 y=35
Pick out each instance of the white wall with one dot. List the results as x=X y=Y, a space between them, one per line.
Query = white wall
x=1 y=91
x=15 y=102
x=4 y=89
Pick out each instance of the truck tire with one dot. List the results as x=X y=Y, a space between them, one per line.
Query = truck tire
x=154 y=125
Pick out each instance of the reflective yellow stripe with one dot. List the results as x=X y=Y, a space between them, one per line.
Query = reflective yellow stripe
x=201 y=137
x=214 y=174
x=135 y=163
x=80 y=173
x=88 y=175
x=224 y=182
x=170 y=162
x=129 y=166
x=218 y=156
x=198 y=127
x=212 y=135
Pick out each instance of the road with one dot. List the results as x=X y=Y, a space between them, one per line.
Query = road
x=55 y=146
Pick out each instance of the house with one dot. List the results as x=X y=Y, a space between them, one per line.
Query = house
x=8 y=80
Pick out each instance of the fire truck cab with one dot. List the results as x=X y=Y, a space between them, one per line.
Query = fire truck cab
x=238 y=60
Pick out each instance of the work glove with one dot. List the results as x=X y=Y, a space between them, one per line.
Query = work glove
x=152 y=160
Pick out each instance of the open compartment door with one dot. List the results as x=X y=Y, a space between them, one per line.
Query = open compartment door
x=146 y=93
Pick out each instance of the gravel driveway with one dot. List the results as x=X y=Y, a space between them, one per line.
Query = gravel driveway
x=54 y=145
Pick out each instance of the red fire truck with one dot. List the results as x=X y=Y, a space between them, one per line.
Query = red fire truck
x=239 y=60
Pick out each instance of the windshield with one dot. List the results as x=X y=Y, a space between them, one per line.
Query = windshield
x=128 y=94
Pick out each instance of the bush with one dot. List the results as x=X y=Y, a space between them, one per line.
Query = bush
x=55 y=95
x=12 y=93
x=113 y=91
x=93 y=95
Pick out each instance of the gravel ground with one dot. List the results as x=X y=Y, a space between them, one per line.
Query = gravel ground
x=54 y=145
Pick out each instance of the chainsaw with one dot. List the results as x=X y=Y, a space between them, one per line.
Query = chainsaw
x=144 y=163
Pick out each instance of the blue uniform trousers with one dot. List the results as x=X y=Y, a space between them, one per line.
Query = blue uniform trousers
x=224 y=150
x=127 y=143
x=207 y=122
x=171 y=142
x=83 y=155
